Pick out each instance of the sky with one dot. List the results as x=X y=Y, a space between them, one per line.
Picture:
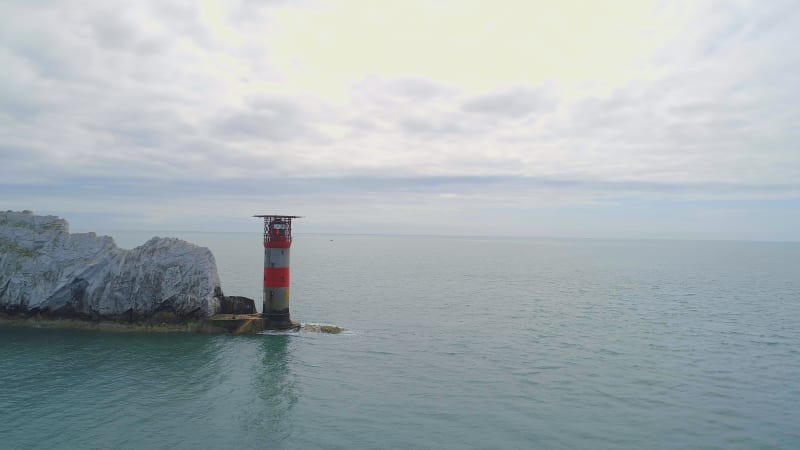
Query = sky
x=597 y=119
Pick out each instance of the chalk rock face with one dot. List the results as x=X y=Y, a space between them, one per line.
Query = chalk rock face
x=44 y=268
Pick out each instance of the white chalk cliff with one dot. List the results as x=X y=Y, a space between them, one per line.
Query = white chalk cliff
x=46 y=269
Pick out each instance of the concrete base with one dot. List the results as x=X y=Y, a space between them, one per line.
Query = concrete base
x=246 y=324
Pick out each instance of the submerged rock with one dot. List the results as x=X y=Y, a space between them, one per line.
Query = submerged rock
x=322 y=328
x=45 y=269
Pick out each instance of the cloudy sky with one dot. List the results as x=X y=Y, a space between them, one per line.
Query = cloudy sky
x=533 y=118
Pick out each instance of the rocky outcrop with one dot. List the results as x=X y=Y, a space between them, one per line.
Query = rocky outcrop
x=45 y=269
x=237 y=305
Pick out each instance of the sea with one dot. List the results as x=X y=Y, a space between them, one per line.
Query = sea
x=450 y=342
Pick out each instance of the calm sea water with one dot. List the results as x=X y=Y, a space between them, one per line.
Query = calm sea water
x=452 y=343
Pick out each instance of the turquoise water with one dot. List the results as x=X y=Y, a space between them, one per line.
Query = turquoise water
x=451 y=343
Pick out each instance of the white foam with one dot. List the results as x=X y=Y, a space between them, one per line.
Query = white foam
x=292 y=332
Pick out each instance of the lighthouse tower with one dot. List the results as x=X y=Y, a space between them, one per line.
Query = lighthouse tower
x=277 y=244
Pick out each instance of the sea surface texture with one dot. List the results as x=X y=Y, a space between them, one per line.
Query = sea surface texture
x=451 y=343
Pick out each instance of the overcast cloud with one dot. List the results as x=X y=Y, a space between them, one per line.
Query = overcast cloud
x=596 y=119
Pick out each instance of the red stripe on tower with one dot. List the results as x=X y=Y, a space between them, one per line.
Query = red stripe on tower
x=276 y=277
x=278 y=244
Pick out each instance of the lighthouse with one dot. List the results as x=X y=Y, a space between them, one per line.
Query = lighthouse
x=277 y=246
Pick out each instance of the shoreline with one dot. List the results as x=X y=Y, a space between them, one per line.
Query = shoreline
x=195 y=326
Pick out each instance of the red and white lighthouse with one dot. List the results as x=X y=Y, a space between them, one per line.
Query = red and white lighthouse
x=277 y=246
